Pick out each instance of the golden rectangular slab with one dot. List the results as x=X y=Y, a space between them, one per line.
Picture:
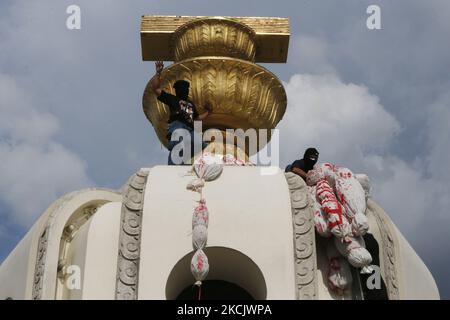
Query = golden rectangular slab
x=272 y=36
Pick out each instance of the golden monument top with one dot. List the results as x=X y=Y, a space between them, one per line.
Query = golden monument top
x=271 y=36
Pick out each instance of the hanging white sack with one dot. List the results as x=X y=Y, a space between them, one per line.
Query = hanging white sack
x=201 y=214
x=208 y=172
x=333 y=210
x=343 y=172
x=355 y=250
x=314 y=176
x=351 y=195
x=199 y=236
x=328 y=171
x=339 y=274
x=360 y=225
x=320 y=219
x=199 y=266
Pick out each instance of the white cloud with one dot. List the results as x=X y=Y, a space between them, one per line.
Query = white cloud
x=34 y=169
x=342 y=120
x=310 y=54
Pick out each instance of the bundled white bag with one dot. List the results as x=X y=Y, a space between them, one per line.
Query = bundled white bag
x=339 y=274
x=201 y=214
x=360 y=225
x=320 y=219
x=199 y=236
x=314 y=176
x=199 y=266
x=328 y=170
x=351 y=195
x=354 y=249
x=208 y=172
x=333 y=210
x=343 y=172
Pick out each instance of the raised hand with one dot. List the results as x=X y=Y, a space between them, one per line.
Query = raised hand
x=159 y=65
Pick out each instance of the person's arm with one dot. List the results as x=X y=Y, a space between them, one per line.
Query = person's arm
x=155 y=82
x=205 y=114
x=300 y=172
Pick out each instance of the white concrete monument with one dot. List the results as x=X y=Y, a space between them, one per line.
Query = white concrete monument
x=136 y=243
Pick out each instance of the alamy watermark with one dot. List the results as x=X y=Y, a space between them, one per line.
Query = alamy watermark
x=73 y=21
x=373 y=22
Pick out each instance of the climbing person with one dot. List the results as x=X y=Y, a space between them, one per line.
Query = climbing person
x=183 y=112
x=302 y=166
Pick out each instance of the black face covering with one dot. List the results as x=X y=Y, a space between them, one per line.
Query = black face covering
x=182 y=93
x=311 y=156
x=182 y=89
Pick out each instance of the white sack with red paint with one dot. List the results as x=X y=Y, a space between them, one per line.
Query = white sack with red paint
x=351 y=195
x=208 y=172
x=333 y=210
x=339 y=274
x=328 y=170
x=199 y=266
x=201 y=214
x=314 y=176
x=320 y=219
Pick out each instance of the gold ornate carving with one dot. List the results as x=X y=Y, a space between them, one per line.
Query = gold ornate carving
x=130 y=237
x=244 y=95
x=271 y=35
x=304 y=238
x=388 y=249
x=214 y=37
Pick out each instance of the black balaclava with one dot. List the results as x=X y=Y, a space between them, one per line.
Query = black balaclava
x=311 y=156
x=182 y=89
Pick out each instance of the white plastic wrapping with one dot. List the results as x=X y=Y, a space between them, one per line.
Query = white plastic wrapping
x=320 y=218
x=339 y=274
x=328 y=171
x=351 y=195
x=208 y=172
x=360 y=225
x=201 y=214
x=199 y=236
x=354 y=249
x=314 y=176
x=199 y=266
x=333 y=210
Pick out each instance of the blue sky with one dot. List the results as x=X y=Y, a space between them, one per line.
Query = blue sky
x=375 y=101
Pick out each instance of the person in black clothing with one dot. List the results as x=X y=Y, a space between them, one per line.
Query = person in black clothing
x=183 y=112
x=302 y=166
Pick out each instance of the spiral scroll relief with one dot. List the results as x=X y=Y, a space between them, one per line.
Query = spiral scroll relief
x=304 y=239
